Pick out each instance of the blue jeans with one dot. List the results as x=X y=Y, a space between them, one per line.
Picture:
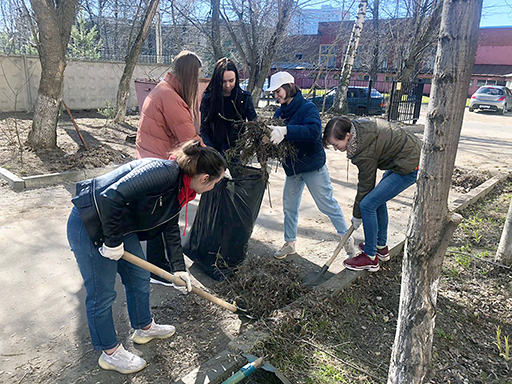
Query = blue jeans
x=319 y=185
x=99 y=274
x=374 y=211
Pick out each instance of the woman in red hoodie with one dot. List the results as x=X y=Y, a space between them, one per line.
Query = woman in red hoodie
x=166 y=122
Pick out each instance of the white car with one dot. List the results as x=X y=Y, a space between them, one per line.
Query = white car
x=491 y=98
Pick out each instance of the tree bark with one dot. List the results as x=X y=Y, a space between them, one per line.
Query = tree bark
x=54 y=24
x=123 y=91
x=216 y=41
x=504 y=253
x=374 y=69
x=431 y=224
x=340 y=100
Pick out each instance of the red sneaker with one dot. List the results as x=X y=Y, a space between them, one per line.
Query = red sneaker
x=362 y=262
x=382 y=253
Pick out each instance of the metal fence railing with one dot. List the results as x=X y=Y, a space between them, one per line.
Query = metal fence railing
x=405 y=101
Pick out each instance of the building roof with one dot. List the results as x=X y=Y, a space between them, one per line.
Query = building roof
x=495 y=70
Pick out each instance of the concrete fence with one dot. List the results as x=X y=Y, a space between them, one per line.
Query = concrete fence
x=87 y=84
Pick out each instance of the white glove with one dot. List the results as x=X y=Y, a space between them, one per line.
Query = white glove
x=183 y=275
x=356 y=223
x=114 y=253
x=278 y=133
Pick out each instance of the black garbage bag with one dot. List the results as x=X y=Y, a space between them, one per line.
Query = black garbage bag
x=224 y=222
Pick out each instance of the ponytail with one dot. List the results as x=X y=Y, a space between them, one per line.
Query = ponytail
x=194 y=159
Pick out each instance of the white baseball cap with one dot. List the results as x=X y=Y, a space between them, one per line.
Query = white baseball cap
x=278 y=79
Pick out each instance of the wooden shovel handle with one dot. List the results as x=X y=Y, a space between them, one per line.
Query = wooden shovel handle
x=341 y=244
x=176 y=281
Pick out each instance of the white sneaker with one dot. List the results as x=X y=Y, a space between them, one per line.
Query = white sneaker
x=286 y=249
x=155 y=331
x=122 y=361
x=349 y=248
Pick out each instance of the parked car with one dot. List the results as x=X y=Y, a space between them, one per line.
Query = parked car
x=491 y=98
x=357 y=98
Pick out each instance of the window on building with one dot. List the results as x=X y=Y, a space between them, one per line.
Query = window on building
x=479 y=83
x=500 y=82
x=330 y=61
x=363 y=77
x=298 y=56
x=471 y=82
x=324 y=49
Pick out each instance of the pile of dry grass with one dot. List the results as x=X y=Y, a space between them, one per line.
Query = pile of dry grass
x=262 y=285
x=254 y=143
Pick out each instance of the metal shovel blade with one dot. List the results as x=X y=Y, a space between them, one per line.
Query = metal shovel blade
x=318 y=277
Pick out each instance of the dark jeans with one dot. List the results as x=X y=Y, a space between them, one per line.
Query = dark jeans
x=374 y=209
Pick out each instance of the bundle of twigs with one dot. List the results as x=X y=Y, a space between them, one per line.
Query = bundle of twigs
x=254 y=143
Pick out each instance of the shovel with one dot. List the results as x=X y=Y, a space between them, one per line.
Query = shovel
x=316 y=278
x=177 y=281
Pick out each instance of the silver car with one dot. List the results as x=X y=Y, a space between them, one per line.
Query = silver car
x=491 y=98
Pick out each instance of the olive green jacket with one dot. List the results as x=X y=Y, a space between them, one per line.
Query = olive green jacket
x=381 y=148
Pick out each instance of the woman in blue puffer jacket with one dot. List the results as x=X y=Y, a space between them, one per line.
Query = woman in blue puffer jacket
x=304 y=130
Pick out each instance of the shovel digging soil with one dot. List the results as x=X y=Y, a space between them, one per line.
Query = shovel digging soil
x=176 y=281
x=315 y=278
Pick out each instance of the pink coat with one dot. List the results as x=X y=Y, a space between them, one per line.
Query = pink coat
x=165 y=121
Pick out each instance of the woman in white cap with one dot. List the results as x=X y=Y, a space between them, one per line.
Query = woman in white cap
x=304 y=130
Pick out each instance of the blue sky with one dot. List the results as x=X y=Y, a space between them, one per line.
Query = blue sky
x=496 y=13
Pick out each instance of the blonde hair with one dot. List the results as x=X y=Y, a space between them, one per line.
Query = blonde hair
x=185 y=68
x=194 y=159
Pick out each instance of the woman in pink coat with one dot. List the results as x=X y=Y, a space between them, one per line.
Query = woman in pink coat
x=166 y=122
x=168 y=113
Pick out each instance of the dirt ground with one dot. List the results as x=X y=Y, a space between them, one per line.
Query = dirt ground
x=472 y=300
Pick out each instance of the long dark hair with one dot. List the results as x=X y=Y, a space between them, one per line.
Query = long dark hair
x=215 y=88
x=194 y=159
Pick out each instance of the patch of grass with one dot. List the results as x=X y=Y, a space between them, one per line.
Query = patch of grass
x=441 y=333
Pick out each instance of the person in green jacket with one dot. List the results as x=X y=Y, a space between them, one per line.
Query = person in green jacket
x=371 y=147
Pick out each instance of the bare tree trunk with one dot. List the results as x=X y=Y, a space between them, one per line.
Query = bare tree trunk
x=340 y=100
x=431 y=224
x=216 y=42
x=54 y=24
x=123 y=92
x=158 y=37
x=504 y=253
x=374 y=69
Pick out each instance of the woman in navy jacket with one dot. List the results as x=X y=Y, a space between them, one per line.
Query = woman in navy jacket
x=304 y=130
x=113 y=212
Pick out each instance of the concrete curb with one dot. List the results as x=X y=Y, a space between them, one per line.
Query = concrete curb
x=39 y=181
x=220 y=367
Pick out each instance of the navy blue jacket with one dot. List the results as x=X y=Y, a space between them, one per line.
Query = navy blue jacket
x=139 y=197
x=304 y=131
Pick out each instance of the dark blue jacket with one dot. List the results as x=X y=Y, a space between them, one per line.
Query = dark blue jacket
x=304 y=131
